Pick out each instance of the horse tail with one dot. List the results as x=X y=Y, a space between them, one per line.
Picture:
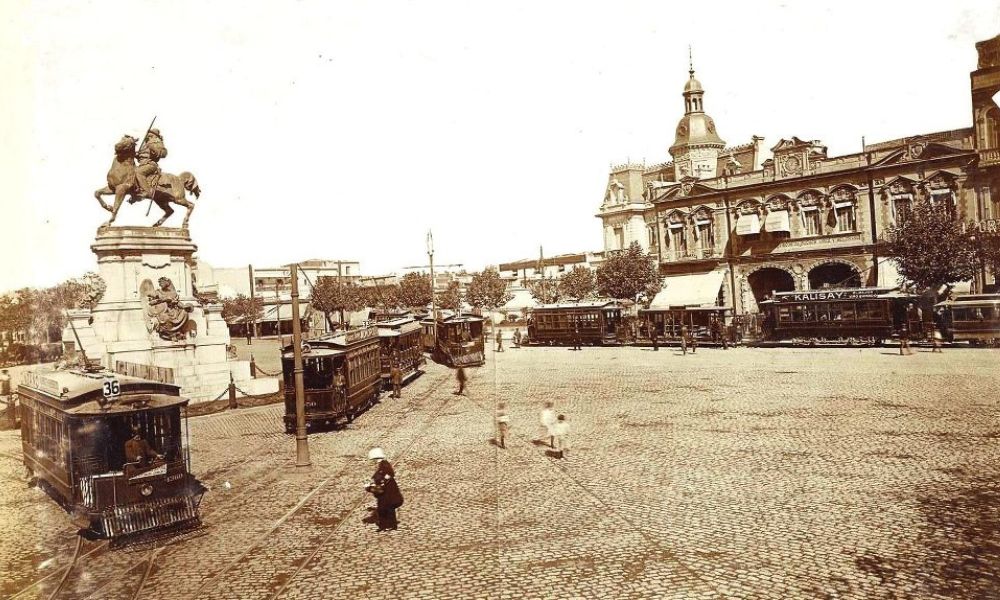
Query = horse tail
x=191 y=184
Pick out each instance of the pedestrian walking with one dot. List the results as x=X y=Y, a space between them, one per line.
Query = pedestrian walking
x=499 y=335
x=560 y=436
x=576 y=335
x=684 y=339
x=547 y=420
x=461 y=378
x=936 y=339
x=396 y=375
x=517 y=337
x=6 y=397
x=693 y=342
x=656 y=340
x=383 y=486
x=503 y=424
x=904 y=341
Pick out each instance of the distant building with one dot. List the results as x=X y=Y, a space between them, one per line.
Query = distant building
x=728 y=227
x=520 y=273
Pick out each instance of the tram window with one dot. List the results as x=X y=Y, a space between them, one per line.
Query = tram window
x=843 y=311
x=823 y=312
x=318 y=373
x=784 y=314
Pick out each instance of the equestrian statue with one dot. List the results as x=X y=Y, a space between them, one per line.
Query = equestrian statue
x=146 y=180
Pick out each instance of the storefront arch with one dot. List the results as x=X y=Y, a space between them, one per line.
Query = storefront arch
x=834 y=274
x=763 y=282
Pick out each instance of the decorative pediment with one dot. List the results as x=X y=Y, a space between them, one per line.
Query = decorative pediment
x=844 y=193
x=810 y=198
x=899 y=185
x=778 y=202
x=940 y=180
x=917 y=149
x=794 y=143
x=674 y=217
x=748 y=206
x=702 y=213
x=687 y=187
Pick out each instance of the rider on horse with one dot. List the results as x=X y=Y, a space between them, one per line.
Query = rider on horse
x=147 y=173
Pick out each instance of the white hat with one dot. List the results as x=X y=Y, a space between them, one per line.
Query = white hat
x=376 y=454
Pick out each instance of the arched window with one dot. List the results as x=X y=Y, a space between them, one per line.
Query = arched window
x=675 y=238
x=703 y=231
x=843 y=210
x=809 y=212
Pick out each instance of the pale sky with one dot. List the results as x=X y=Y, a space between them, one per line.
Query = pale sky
x=348 y=129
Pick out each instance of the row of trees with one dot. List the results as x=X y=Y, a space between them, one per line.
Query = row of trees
x=39 y=315
x=627 y=275
x=332 y=296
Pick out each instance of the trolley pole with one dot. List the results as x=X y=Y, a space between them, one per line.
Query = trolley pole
x=301 y=439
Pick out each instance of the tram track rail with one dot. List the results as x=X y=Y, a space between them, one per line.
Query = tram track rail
x=213 y=582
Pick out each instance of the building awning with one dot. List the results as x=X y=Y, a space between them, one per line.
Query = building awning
x=777 y=220
x=272 y=312
x=748 y=225
x=696 y=289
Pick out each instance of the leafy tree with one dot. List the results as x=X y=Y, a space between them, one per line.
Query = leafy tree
x=930 y=247
x=487 y=290
x=627 y=274
x=243 y=309
x=578 y=283
x=451 y=298
x=546 y=290
x=380 y=296
x=415 y=290
x=332 y=295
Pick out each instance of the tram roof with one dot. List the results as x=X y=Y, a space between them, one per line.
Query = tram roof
x=834 y=294
x=395 y=329
x=589 y=304
x=396 y=322
x=68 y=385
x=971 y=300
x=128 y=403
x=456 y=319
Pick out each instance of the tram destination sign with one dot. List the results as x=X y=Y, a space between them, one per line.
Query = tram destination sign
x=860 y=294
x=40 y=382
x=356 y=335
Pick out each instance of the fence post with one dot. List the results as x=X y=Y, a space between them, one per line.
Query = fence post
x=253 y=367
x=232 y=392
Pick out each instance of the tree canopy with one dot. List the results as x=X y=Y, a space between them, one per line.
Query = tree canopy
x=626 y=274
x=451 y=298
x=331 y=294
x=546 y=290
x=578 y=284
x=42 y=313
x=243 y=309
x=415 y=290
x=487 y=290
x=930 y=247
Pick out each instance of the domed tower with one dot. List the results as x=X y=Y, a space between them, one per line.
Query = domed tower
x=696 y=146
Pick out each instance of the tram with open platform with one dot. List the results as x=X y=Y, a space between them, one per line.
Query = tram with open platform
x=400 y=341
x=851 y=316
x=668 y=323
x=111 y=449
x=596 y=323
x=341 y=373
x=974 y=318
x=459 y=341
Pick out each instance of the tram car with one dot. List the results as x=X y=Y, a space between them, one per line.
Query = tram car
x=400 y=339
x=852 y=316
x=599 y=323
x=459 y=341
x=341 y=374
x=974 y=318
x=111 y=449
x=666 y=323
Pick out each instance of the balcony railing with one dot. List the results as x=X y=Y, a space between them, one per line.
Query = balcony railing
x=691 y=254
x=988 y=158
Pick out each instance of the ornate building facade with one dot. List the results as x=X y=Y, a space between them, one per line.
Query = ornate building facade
x=728 y=228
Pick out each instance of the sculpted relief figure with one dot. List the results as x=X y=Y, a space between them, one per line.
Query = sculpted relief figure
x=168 y=315
x=146 y=181
x=616 y=192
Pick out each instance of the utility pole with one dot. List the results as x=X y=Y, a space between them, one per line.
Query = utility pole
x=301 y=440
x=277 y=309
x=430 y=257
x=253 y=322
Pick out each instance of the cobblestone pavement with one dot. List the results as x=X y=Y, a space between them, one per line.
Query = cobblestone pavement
x=747 y=473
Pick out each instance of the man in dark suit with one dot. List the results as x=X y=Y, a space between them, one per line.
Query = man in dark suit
x=138 y=450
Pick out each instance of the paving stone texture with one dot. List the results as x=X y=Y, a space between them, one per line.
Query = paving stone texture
x=745 y=473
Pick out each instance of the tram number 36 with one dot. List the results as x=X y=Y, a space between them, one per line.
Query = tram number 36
x=111 y=388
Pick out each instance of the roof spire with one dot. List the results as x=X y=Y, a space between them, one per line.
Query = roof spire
x=690 y=62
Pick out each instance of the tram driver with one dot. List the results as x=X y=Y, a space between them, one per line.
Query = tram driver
x=138 y=450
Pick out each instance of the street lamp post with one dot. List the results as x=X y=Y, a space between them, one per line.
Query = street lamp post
x=301 y=439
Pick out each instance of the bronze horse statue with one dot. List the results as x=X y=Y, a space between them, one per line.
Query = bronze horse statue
x=169 y=189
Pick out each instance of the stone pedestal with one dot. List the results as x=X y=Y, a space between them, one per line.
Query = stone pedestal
x=120 y=332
